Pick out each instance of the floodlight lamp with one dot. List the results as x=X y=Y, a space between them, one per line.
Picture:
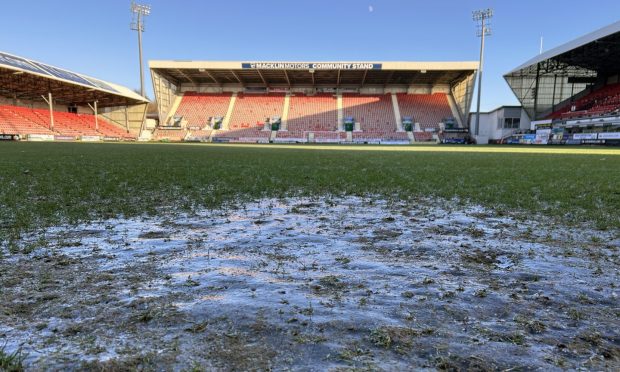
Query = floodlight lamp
x=141 y=9
x=482 y=14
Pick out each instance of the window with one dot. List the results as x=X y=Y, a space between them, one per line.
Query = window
x=512 y=123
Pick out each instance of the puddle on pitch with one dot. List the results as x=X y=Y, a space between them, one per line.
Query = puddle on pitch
x=316 y=284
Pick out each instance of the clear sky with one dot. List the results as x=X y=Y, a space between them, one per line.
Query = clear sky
x=93 y=37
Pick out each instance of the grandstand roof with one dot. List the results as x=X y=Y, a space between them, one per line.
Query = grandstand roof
x=29 y=80
x=552 y=78
x=312 y=73
x=598 y=51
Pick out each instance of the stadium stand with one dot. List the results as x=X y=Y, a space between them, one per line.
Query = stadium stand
x=26 y=121
x=603 y=101
x=315 y=101
x=249 y=115
x=427 y=109
x=13 y=120
x=374 y=112
x=198 y=108
x=318 y=113
x=29 y=90
x=252 y=110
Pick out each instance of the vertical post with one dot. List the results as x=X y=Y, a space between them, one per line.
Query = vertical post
x=482 y=16
x=541 y=45
x=96 y=117
x=51 y=106
x=477 y=128
x=139 y=11
x=126 y=120
x=140 y=51
x=536 y=91
x=555 y=80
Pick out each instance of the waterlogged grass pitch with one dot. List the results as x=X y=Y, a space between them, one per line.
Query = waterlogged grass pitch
x=230 y=257
x=42 y=184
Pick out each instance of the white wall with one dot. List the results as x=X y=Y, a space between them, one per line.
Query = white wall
x=490 y=123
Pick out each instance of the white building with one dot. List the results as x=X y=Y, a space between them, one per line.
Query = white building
x=500 y=123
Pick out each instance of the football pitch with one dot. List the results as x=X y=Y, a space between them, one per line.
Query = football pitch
x=275 y=257
x=49 y=183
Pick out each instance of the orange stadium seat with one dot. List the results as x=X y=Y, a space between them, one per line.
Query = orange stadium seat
x=26 y=121
x=197 y=108
x=313 y=113
x=427 y=109
x=251 y=110
x=374 y=112
x=603 y=101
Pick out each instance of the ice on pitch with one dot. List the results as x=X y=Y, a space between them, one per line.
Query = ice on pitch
x=321 y=283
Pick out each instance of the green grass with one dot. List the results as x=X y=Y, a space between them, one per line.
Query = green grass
x=11 y=362
x=49 y=183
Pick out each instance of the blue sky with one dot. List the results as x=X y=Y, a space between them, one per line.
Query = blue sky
x=93 y=37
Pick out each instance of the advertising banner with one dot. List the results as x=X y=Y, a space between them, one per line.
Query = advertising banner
x=40 y=137
x=64 y=138
x=327 y=140
x=584 y=136
x=609 y=135
x=90 y=138
x=527 y=139
x=395 y=142
x=9 y=137
x=290 y=140
x=541 y=139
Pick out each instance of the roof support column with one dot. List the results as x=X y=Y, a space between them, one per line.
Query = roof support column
x=555 y=80
x=94 y=108
x=536 y=91
x=50 y=102
x=126 y=119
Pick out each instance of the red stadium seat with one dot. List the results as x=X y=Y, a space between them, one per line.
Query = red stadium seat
x=374 y=112
x=601 y=102
x=427 y=109
x=197 y=108
x=313 y=113
x=24 y=121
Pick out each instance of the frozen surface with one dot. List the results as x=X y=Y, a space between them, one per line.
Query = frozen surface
x=315 y=284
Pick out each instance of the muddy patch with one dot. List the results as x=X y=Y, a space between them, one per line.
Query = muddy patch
x=314 y=284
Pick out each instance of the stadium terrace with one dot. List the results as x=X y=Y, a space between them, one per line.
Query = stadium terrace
x=311 y=102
